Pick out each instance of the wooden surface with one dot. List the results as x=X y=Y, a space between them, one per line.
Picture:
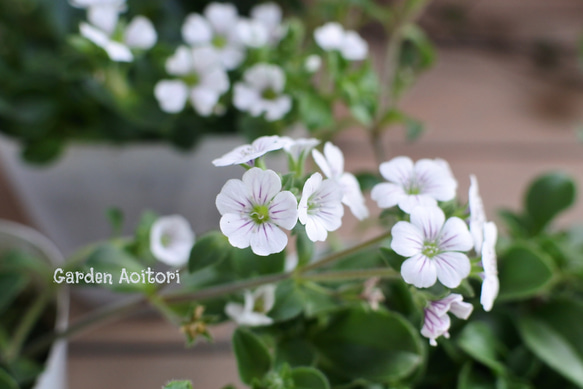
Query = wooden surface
x=490 y=113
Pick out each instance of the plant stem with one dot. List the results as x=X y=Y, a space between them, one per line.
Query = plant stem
x=27 y=323
x=341 y=254
x=343 y=275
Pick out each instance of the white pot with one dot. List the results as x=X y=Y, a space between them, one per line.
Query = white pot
x=17 y=236
x=68 y=200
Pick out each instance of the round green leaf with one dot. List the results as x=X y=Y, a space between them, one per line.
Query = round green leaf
x=309 y=378
x=547 y=196
x=209 y=249
x=478 y=340
x=376 y=346
x=253 y=359
x=6 y=381
x=523 y=273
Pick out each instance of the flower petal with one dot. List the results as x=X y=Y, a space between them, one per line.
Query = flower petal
x=267 y=294
x=104 y=16
x=315 y=229
x=408 y=203
x=434 y=325
x=429 y=220
x=238 y=229
x=335 y=159
x=244 y=97
x=223 y=17
x=231 y=56
x=477 y=214
x=455 y=236
x=171 y=240
x=277 y=108
x=263 y=185
x=268 y=239
x=354 y=48
x=252 y=33
x=267 y=13
x=330 y=36
x=435 y=179
x=353 y=196
x=203 y=100
x=196 y=30
x=452 y=268
x=180 y=63
x=140 y=33
x=407 y=240
x=232 y=198
x=283 y=210
x=171 y=95
x=419 y=271
x=387 y=194
x=398 y=170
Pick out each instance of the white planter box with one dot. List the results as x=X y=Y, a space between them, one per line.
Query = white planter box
x=68 y=200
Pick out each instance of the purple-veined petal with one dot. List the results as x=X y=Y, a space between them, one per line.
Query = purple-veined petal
x=491 y=284
x=435 y=179
x=263 y=185
x=409 y=202
x=387 y=194
x=283 y=210
x=435 y=325
x=232 y=198
x=429 y=220
x=238 y=229
x=268 y=239
x=452 y=268
x=455 y=236
x=407 y=240
x=419 y=271
x=315 y=229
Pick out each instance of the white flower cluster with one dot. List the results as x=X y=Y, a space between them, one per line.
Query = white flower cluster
x=217 y=41
x=437 y=249
x=255 y=210
x=104 y=30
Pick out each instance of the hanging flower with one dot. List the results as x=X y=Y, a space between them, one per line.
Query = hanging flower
x=423 y=183
x=434 y=249
x=262 y=92
x=477 y=214
x=247 y=154
x=491 y=284
x=139 y=34
x=320 y=208
x=332 y=36
x=437 y=321
x=298 y=149
x=255 y=209
x=254 y=311
x=332 y=165
x=217 y=30
x=201 y=81
x=171 y=240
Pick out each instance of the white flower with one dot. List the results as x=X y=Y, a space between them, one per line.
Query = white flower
x=102 y=13
x=139 y=34
x=218 y=30
x=437 y=321
x=332 y=36
x=255 y=209
x=257 y=304
x=201 y=81
x=252 y=33
x=332 y=165
x=423 y=183
x=491 y=284
x=269 y=15
x=320 y=208
x=313 y=63
x=432 y=248
x=247 y=154
x=477 y=214
x=298 y=149
x=262 y=92
x=171 y=240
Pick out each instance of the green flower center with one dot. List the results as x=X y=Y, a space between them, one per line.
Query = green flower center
x=219 y=41
x=259 y=305
x=191 y=79
x=166 y=239
x=430 y=249
x=260 y=214
x=269 y=94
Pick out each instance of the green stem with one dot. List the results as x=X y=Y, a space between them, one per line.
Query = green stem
x=343 y=275
x=341 y=254
x=26 y=325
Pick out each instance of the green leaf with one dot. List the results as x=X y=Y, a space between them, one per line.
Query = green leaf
x=11 y=284
x=413 y=129
x=548 y=196
x=478 y=340
x=524 y=272
x=253 y=359
x=368 y=180
x=309 y=378
x=470 y=378
x=315 y=111
x=376 y=346
x=289 y=301
x=6 y=381
x=295 y=351
x=553 y=347
x=178 y=385
x=116 y=218
x=304 y=246
x=245 y=264
x=394 y=260
x=208 y=250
